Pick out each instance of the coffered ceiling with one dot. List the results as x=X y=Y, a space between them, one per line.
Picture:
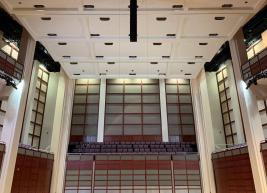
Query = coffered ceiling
x=90 y=38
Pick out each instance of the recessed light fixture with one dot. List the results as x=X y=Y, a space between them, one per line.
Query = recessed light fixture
x=104 y=18
x=153 y=63
x=162 y=74
x=39 y=7
x=190 y=62
x=88 y=6
x=76 y=74
x=46 y=18
x=99 y=56
x=108 y=43
x=187 y=74
x=161 y=18
x=203 y=43
x=94 y=35
x=213 y=34
x=227 y=5
x=132 y=74
x=66 y=56
x=62 y=43
x=73 y=63
x=102 y=74
x=52 y=34
x=171 y=35
x=132 y=57
x=219 y=18
x=177 y=6
x=111 y=63
x=198 y=57
x=157 y=44
x=166 y=57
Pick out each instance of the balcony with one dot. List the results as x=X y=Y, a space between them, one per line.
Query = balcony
x=255 y=68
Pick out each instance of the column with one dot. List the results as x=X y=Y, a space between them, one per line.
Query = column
x=204 y=130
x=61 y=130
x=249 y=110
x=14 y=115
x=163 y=109
x=101 y=115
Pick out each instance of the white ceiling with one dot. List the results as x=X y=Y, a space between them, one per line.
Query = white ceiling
x=75 y=25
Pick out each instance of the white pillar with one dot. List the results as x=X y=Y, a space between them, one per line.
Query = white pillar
x=250 y=114
x=101 y=114
x=14 y=118
x=163 y=109
x=61 y=131
x=204 y=131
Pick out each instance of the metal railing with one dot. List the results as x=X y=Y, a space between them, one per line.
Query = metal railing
x=10 y=66
x=254 y=66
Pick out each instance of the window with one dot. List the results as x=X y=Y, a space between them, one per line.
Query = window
x=85 y=110
x=262 y=106
x=180 y=111
x=226 y=107
x=132 y=110
x=38 y=109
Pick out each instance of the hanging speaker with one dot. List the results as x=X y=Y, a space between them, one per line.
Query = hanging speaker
x=133 y=20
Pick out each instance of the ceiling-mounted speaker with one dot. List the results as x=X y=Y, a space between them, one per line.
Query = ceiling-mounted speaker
x=133 y=20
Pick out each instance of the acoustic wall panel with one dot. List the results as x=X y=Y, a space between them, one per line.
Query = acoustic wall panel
x=232 y=171
x=33 y=172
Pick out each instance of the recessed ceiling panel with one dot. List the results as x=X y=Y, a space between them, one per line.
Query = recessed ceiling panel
x=184 y=69
x=133 y=68
x=46 y=3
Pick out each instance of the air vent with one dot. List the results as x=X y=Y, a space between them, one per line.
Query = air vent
x=73 y=63
x=46 y=18
x=66 y=56
x=132 y=74
x=187 y=74
x=203 y=43
x=102 y=74
x=76 y=74
x=213 y=34
x=157 y=44
x=161 y=18
x=132 y=57
x=39 y=6
x=111 y=63
x=190 y=62
x=177 y=6
x=162 y=74
x=227 y=5
x=99 y=56
x=153 y=63
x=171 y=35
x=166 y=57
x=104 y=18
x=198 y=57
x=62 y=43
x=94 y=35
x=108 y=43
x=88 y=6
x=219 y=18
x=52 y=34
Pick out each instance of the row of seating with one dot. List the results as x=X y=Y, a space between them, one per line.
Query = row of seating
x=129 y=147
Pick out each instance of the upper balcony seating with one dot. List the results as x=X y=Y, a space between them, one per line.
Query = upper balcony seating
x=132 y=147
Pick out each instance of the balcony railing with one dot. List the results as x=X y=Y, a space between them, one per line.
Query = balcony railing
x=255 y=66
x=10 y=66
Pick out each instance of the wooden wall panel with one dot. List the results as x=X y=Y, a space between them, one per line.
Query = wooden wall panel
x=33 y=172
x=232 y=171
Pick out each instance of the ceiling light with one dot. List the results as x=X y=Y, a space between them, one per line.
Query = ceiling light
x=177 y=6
x=153 y=63
x=157 y=44
x=46 y=18
x=39 y=7
x=62 y=43
x=76 y=74
x=227 y=5
x=66 y=56
x=132 y=57
x=203 y=43
x=99 y=56
x=165 y=57
x=102 y=74
x=111 y=63
x=161 y=18
x=52 y=34
x=162 y=74
x=132 y=74
x=73 y=63
x=88 y=6
x=94 y=35
x=198 y=57
x=108 y=43
x=104 y=18
x=219 y=18
x=171 y=35
x=187 y=74
x=213 y=34
x=190 y=62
